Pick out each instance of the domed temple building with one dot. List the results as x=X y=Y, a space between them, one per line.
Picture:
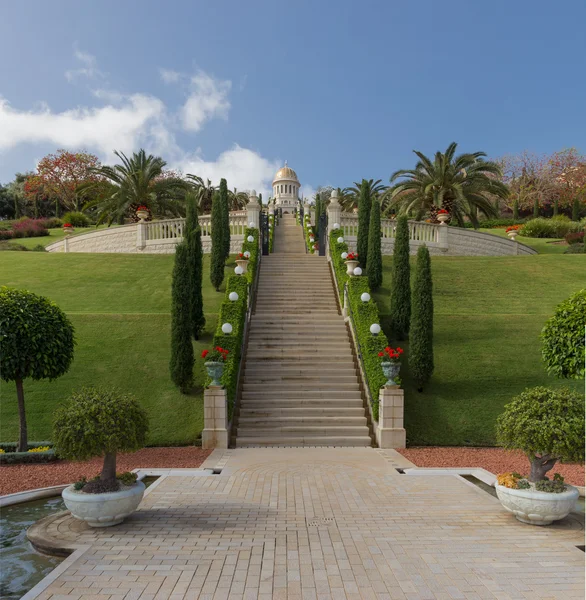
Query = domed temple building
x=286 y=189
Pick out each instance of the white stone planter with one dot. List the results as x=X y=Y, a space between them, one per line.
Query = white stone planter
x=513 y=234
x=243 y=264
x=103 y=510
x=350 y=266
x=442 y=218
x=537 y=508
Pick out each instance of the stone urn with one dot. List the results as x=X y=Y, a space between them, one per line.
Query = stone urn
x=537 y=508
x=68 y=229
x=350 y=266
x=103 y=510
x=243 y=264
x=442 y=218
x=142 y=214
x=215 y=371
x=513 y=234
x=390 y=371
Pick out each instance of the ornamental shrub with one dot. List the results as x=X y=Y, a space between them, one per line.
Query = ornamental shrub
x=218 y=258
x=26 y=228
x=576 y=209
x=253 y=248
x=421 y=331
x=375 y=259
x=99 y=422
x=77 y=219
x=547 y=425
x=195 y=264
x=225 y=218
x=36 y=341
x=364 y=203
x=336 y=250
x=555 y=227
x=563 y=338
x=181 y=364
x=401 y=290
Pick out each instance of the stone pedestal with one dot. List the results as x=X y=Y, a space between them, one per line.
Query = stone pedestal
x=390 y=431
x=215 y=414
x=443 y=237
x=334 y=211
x=141 y=235
x=253 y=210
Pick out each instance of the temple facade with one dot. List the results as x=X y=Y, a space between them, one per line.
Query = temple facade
x=286 y=189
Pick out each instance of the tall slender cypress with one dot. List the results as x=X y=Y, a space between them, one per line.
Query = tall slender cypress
x=225 y=217
x=363 y=223
x=260 y=198
x=317 y=213
x=182 y=361
x=576 y=209
x=515 y=209
x=218 y=257
x=421 y=332
x=401 y=290
x=195 y=251
x=375 y=260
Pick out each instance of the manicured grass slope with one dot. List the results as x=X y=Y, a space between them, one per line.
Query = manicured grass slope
x=120 y=306
x=488 y=316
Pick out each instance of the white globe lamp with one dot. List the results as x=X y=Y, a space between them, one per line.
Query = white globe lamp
x=251 y=224
x=238 y=270
x=233 y=296
x=344 y=255
x=227 y=328
x=375 y=329
x=247 y=254
x=365 y=297
x=358 y=271
x=336 y=225
x=250 y=238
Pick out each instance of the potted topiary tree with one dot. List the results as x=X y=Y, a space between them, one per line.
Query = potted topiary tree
x=547 y=425
x=101 y=422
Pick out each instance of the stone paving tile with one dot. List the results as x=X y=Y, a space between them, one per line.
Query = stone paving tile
x=316 y=524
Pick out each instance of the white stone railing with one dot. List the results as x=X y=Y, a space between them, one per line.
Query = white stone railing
x=164 y=230
x=418 y=230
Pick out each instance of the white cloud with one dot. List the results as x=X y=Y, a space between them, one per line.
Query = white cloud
x=243 y=168
x=308 y=192
x=169 y=76
x=89 y=69
x=208 y=98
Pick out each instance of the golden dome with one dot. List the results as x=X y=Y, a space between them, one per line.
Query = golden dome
x=286 y=173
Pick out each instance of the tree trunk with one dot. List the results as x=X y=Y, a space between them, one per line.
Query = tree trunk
x=540 y=465
x=515 y=209
x=555 y=207
x=109 y=468
x=23 y=435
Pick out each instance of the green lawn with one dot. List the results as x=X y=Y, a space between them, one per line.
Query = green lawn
x=542 y=245
x=488 y=315
x=120 y=306
x=54 y=236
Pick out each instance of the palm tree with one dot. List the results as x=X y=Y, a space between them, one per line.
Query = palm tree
x=139 y=181
x=237 y=200
x=463 y=185
x=204 y=191
x=351 y=194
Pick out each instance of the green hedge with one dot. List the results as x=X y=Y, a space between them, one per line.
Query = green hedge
x=364 y=314
x=336 y=250
x=11 y=457
x=273 y=222
x=251 y=247
x=309 y=229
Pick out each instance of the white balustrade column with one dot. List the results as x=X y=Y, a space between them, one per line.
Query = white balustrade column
x=253 y=210
x=141 y=234
x=442 y=237
x=334 y=211
x=215 y=418
x=390 y=430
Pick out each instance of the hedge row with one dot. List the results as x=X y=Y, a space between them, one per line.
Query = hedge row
x=364 y=314
x=10 y=456
x=272 y=224
x=235 y=314
x=309 y=231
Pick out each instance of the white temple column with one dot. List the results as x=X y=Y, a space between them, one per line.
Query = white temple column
x=253 y=210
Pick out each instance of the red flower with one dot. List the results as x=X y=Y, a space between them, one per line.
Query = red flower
x=67 y=225
x=443 y=211
x=142 y=207
x=205 y=353
x=381 y=353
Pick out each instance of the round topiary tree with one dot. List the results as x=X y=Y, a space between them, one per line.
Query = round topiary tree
x=36 y=341
x=100 y=422
x=547 y=425
x=563 y=338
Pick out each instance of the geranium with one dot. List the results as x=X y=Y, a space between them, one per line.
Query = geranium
x=513 y=228
x=443 y=211
x=142 y=207
x=243 y=256
x=352 y=256
x=391 y=354
x=217 y=354
x=67 y=225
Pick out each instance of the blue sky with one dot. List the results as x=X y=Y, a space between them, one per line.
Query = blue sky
x=343 y=90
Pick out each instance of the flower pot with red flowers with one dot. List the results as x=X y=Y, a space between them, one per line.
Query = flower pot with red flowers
x=68 y=228
x=351 y=263
x=390 y=362
x=513 y=231
x=442 y=216
x=242 y=261
x=214 y=364
x=142 y=212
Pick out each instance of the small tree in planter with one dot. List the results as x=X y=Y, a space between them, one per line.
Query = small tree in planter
x=547 y=425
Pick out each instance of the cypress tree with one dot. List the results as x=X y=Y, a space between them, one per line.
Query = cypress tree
x=225 y=218
x=317 y=214
x=375 y=261
x=195 y=257
x=536 y=208
x=363 y=223
x=516 y=209
x=260 y=198
x=181 y=364
x=218 y=257
x=576 y=209
x=401 y=290
x=556 y=202
x=421 y=332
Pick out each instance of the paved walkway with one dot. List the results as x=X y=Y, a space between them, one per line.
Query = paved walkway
x=318 y=523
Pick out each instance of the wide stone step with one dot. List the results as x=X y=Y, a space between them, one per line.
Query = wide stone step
x=247 y=422
x=292 y=344
x=287 y=320
x=303 y=430
x=308 y=440
x=290 y=336
x=301 y=327
x=306 y=411
x=266 y=395
x=282 y=387
x=255 y=369
x=270 y=356
x=302 y=380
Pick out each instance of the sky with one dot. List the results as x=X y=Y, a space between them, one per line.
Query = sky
x=341 y=90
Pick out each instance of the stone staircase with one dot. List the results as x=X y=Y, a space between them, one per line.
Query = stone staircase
x=300 y=384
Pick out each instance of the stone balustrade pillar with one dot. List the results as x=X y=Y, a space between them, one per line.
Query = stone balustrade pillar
x=215 y=418
x=443 y=237
x=141 y=235
x=390 y=431
x=334 y=211
x=253 y=210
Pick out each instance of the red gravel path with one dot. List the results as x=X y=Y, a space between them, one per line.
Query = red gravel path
x=494 y=460
x=18 y=478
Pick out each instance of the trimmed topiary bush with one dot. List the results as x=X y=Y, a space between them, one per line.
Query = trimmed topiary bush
x=77 y=219
x=182 y=361
x=374 y=270
x=336 y=251
x=547 y=425
x=36 y=341
x=192 y=237
x=364 y=205
x=563 y=338
x=421 y=331
x=401 y=290
x=100 y=422
x=218 y=258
